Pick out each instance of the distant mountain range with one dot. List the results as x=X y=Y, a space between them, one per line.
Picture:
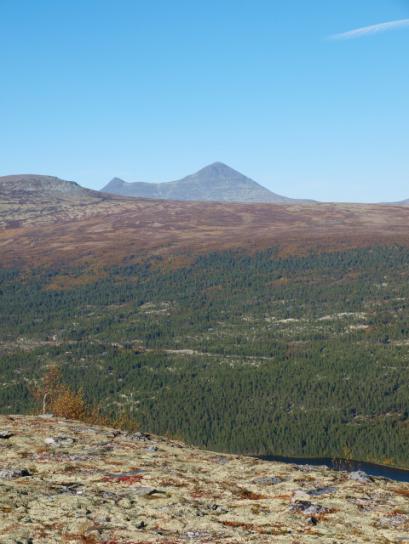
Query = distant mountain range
x=50 y=220
x=216 y=182
x=399 y=203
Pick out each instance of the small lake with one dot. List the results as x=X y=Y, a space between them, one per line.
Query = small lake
x=400 y=475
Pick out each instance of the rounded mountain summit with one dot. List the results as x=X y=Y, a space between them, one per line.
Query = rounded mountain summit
x=215 y=182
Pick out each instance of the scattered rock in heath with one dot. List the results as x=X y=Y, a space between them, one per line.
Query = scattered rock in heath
x=307 y=508
x=267 y=480
x=145 y=491
x=322 y=491
x=394 y=520
x=63 y=480
x=138 y=437
x=300 y=495
x=12 y=473
x=360 y=476
x=217 y=508
x=310 y=468
x=60 y=441
x=221 y=460
x=127 y=474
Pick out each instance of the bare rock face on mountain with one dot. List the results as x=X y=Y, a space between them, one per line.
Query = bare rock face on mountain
x=216 y=182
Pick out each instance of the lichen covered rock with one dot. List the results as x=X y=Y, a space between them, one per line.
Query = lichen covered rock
x=98 y=486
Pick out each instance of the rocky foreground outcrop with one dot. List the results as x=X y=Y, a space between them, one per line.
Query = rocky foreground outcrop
x=64 y=481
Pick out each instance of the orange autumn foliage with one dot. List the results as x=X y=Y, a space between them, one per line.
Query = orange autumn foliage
x=57 y=397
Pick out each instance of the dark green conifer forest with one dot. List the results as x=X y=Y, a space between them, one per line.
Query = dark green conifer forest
x=303 y=355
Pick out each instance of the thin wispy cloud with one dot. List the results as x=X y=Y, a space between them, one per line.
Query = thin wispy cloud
x=372 y=29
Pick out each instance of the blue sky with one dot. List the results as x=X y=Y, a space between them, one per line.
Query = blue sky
x=153 y=90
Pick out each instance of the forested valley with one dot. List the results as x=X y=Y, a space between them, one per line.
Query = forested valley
x=260 y=354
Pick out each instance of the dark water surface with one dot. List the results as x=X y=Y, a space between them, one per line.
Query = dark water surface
x=400 y=475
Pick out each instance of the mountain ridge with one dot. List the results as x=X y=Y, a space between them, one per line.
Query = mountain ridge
x=214 y=182
x=27 y=198
x=37 y=183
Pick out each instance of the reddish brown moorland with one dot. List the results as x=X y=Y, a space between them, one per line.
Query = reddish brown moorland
x=111 y=230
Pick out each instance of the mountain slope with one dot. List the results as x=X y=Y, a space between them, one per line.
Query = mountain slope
x=27 y=198
x=49 y=220
x=65 y=481
x=216 y=182
x=32 y=185
x=404 y=202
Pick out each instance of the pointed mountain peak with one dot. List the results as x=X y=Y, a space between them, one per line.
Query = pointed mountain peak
x=214 y=182
x=117 y=180
x=218 y=172
x=114 y=185
x=218 y=168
